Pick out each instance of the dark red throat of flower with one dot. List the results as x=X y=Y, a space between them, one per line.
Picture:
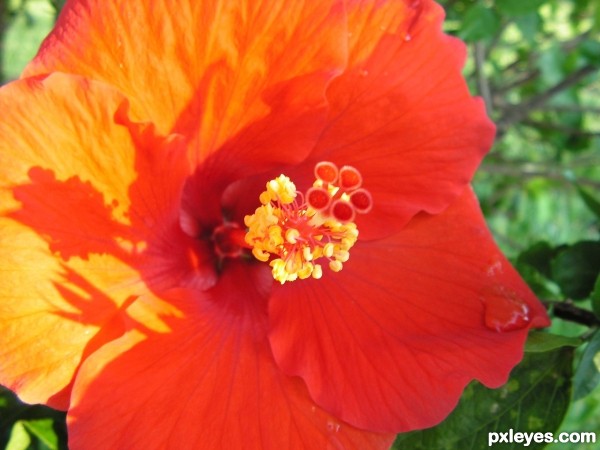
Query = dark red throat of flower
x=229 y=240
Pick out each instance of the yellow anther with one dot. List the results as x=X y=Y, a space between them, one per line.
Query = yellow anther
x=317 y=272
x=328 y=250
x=264 y=198
x=348 y=242
x=280 y=273
x=291 y=266
x=260 y=255
x=305 y=271
x=307 y=254
x=291 y=235
x=335 y=265
x=281 y=189
x=317 y=253
x=275 y=237
x=342 y=255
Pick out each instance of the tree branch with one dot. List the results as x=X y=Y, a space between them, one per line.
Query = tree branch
x=516 y=113
x=568 y=311
x=482 y=83
x=528 y=171
x=569 y=131
x=582 y=109
x=526 y=78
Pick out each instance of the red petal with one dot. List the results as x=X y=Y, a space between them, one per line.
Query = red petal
x=285 y=136
x=390 y=342
x=169 y=256
x=402 y=115
x=197 y=372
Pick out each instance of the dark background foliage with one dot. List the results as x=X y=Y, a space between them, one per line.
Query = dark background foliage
x=535 y=62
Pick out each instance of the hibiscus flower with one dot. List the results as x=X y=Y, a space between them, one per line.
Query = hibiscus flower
x=248 y=224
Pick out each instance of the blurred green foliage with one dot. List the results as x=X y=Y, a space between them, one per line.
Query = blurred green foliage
x=24 y=24
x=535 y=63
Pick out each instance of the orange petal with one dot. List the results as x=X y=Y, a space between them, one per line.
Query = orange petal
x=212 y=66
x=57 y=128
x=196 y=371
x=390 y=342
x=74 y=248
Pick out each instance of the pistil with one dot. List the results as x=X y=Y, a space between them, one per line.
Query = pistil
x=297 y=232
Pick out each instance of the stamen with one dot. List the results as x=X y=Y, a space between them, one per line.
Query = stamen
x=293 y=231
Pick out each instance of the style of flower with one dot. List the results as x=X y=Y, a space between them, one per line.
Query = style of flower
x=248 y=224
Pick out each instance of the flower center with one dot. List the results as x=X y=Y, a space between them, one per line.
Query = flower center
x=297 y=231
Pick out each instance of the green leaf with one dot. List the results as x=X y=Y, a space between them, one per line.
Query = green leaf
x=587 y=375
x=539 y=256
x=24 y=34
x=529 y=25
x=43 y=430
x=576 y=268
x=542 y=286
x=551 y=65
x=590 y=201
x=590 y=49
x=480 y=23
x=57 y=4
x=596 y=297
x=541 y=341
x=46 y=427
x=535 y=399
x=19 y=438
x=518 y=7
